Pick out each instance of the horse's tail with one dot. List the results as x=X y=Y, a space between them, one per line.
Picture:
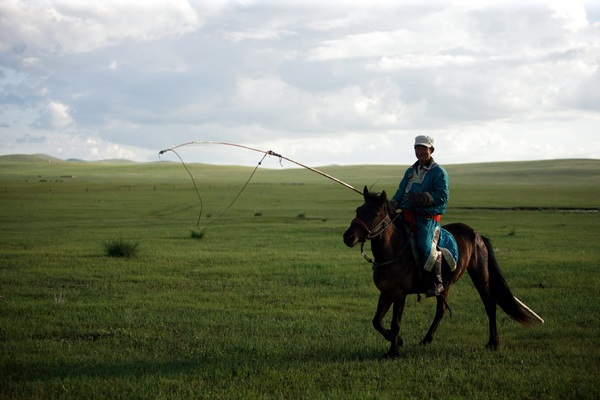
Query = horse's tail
x=501 y=293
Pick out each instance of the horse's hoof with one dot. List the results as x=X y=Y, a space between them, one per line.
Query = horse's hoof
x=491 y=346
x=390 y=355
x=425 y=342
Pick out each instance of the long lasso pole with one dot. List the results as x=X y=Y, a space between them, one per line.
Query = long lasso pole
x=270 y=153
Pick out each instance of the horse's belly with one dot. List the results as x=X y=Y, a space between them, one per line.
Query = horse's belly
x=393 y=286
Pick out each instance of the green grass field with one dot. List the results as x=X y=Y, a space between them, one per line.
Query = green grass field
x=267 y=302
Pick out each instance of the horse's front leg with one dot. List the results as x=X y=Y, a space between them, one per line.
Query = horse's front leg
x=383 y=306
x=442 y=301
x=395 y=338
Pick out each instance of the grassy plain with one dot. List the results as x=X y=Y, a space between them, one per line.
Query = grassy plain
x=269 y=303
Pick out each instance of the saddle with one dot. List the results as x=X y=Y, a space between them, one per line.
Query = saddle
x=446 y=244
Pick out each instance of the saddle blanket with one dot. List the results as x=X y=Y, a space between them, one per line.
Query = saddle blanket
x=447 y=245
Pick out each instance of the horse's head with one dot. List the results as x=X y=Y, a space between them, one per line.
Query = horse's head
x=369 y=218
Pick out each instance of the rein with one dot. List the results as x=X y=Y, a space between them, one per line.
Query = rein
x=375 y=264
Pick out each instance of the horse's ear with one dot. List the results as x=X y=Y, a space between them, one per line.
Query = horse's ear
x=366 y=192
x=384 y=196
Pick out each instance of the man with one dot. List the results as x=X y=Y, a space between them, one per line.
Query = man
x=423 y=195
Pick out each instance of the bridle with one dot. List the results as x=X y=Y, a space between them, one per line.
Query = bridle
x=377 y=230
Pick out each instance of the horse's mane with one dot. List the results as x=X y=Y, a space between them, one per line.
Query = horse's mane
x=375 y=194
x=380 y=197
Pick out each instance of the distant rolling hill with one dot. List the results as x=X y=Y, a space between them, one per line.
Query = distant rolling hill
x=44 y=158
x=29 y=158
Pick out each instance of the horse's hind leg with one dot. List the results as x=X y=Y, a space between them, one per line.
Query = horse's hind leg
x=490 y=309
x=383 y=306
x=440 y=310
x=494 y=341
x=481 y=284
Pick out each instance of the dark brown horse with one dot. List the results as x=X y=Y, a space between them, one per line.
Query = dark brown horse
x=396 y=274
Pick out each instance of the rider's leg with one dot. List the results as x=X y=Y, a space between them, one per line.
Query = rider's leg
x=435 y=285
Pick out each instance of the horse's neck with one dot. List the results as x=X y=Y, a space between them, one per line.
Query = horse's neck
x=387 y=245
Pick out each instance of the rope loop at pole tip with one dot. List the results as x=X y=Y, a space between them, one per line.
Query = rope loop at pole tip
x=270 y=153
x=203 y=229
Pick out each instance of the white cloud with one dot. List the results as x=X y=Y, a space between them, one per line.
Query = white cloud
x=257 y=34
x=338 y=23
x=572 y=15
x=283 y=106
x=68 y=145
x=369 y=44
x=64 y=27
x=55 y=116
x=414 y=61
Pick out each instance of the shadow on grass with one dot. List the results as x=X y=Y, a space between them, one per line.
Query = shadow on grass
x=215 y=367
x=208 y=365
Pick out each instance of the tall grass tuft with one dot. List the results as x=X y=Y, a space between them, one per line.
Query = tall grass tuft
x=197 y=234
x=120 y=247
x=60 y=299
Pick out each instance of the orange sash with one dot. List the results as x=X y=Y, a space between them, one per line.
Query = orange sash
x=409 y=216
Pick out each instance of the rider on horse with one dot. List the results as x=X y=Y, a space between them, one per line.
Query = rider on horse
x=423 y=195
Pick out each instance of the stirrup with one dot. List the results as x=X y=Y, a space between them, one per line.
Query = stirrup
x=439 y=289
x=436 y=280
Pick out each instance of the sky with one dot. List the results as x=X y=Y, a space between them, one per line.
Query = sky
x=320 y=82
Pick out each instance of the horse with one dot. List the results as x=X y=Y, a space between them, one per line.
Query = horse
x=397 y=275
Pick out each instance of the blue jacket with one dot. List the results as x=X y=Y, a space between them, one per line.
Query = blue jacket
x=432 y=181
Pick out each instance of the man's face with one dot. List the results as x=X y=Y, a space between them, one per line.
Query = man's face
x=423 y=153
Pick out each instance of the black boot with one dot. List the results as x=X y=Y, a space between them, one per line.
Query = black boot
x=436 y=286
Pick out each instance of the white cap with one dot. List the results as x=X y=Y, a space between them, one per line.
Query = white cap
x=423 y=140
